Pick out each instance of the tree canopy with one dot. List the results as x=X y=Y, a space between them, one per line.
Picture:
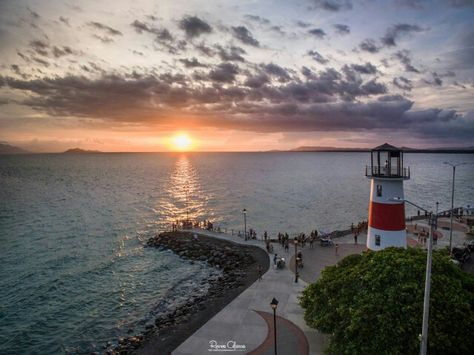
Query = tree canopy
x=373 y=304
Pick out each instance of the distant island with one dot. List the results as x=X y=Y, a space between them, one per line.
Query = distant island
x=451 y=150
x=81 y=151
x=10 y=149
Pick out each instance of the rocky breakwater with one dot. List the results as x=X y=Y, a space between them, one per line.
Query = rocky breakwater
x=238 y=267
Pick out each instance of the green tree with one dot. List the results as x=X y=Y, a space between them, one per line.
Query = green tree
x=373 y=304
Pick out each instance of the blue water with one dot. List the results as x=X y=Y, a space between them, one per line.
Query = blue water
x=74 y=273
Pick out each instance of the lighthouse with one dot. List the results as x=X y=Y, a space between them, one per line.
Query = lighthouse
x=386 y=207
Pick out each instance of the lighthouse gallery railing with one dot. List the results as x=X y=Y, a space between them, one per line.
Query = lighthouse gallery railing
x=385 y=172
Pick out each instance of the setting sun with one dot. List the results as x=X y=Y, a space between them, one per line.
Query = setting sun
x=181 y=142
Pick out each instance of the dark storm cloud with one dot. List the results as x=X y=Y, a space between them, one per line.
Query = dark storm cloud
x=245 y=36
x=193 y=26
x=224 y=72
x=342 y=29
x=109 y=30
x=331 y=5
x=397 y=31
x=369 y=45
x=404 y=57
x=231 y=54
x=192 y=63
x=317 y=57
x=258 y=19
x=403 y=83
x=317 y=32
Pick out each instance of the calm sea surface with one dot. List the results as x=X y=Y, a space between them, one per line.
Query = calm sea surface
x=73 y=270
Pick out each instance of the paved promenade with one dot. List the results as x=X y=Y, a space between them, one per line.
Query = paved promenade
x=248 y=319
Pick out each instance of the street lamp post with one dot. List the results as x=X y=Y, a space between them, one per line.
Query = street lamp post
x=426 y=301
x=244 y=212
x=296 y=259
x=274 y=305
x=429 y=258
x=452 y=205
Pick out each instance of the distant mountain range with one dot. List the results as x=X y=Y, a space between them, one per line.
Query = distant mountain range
x=80 y=151
x=10 y=149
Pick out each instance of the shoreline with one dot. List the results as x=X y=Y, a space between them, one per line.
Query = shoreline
x=239 y=266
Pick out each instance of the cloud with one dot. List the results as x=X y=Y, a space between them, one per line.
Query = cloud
x=257 y=81
x=258 y=19
x=316 y=104
x=103 y=39
x=369 y=45
x=108 y=30
x=161 y=34
x=64 y=20
x=403 y=83
x=395 y=32
x=342 y=29
x=232 y=54
x=244 y=35
x=204 y=50
x=436 y=80
x=62 y=51
x=367 y=68
x=302 y=24
x=404 y=57
x=193 y=26
x=317 y=57
x=317 y=32
x=40 y=47
x=276 y=71
x=192 y=63
x=331 y=5
x=225 y=73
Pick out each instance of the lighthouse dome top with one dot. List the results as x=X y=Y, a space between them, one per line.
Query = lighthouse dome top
x=387 y=148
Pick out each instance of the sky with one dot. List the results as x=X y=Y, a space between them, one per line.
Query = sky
x=236 y=75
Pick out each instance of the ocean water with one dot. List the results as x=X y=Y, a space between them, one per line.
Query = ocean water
x=73 y=270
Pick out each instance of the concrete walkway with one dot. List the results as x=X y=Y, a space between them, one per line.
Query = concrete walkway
x=239 y=323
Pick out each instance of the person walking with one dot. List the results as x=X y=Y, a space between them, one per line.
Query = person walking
x=355 y=238
x=275 y=258
x=260 y=272
x=337 y=249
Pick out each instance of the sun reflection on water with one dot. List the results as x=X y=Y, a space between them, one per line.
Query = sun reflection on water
x=186 y=197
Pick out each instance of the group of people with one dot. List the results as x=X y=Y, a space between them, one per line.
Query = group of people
x=188 y=224
x=423 y=235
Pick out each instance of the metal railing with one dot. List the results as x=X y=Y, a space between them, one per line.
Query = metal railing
x=382 y=171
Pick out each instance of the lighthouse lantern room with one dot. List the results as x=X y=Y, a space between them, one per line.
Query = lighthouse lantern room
x=386 y=207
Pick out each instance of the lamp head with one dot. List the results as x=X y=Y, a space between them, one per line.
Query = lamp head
x=244 y=211
x=274 y=303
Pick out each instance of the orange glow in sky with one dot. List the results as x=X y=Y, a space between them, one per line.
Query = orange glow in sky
x=181 y=142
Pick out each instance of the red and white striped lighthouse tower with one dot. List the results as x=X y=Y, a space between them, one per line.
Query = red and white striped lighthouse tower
x=386 y=208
